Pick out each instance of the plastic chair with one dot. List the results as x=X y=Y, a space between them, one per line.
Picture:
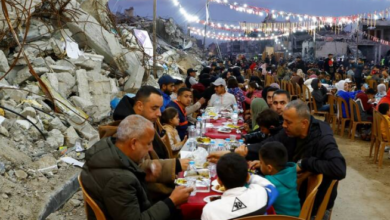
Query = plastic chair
x=332 y=116
x=372 y=84
x=342 y=121
x=307 y=96
x=355 y=108
x=314 y=181
x=299 y=93
x=315 y=111
x=374 y=131
x=324 y=204
x=382 y=140
x=270 y=217
x=291 y=89
x=88 y=202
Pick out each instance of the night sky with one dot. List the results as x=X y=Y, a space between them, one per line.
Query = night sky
x=221 y=13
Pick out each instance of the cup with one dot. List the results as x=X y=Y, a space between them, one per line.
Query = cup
x=232 y=138
x=213 y=170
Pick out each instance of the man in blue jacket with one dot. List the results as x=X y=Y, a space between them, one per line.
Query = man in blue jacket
x=167 y=85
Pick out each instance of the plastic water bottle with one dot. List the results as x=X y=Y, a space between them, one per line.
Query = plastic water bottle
x=220 y=147
x=235 y=117
x=192 y=166
x=235 y=107
x=199 y=127
x=204 y=122
x=241 y=142
x=212 y=147
x=227 y=144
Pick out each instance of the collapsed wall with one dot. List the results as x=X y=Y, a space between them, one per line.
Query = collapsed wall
x=61 y=64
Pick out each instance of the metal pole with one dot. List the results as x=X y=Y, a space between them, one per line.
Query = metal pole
x=155 y=38
x=357 y=42
x=314 y=45
x=205 y=29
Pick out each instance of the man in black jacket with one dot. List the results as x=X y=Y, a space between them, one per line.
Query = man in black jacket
x=112 y=177
x=310 y=143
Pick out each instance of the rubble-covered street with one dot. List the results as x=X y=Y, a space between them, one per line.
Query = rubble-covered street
x=61 y=63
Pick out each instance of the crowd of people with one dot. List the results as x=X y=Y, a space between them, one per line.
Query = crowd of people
x=130 y=172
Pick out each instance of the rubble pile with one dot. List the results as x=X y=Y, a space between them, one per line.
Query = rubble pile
x=60 y=66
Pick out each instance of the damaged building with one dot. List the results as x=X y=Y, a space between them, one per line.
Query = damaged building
x=61 y=64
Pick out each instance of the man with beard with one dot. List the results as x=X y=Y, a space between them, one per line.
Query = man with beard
x=167 y=85
x=113 y=178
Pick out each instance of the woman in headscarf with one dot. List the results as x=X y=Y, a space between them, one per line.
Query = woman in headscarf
x=319 y=94
x=237 y=74
x=343 y=92
x=258 y=105
x=254 y=91
x=381 y=88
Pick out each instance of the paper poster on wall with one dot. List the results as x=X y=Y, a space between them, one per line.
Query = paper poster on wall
x=144 y=40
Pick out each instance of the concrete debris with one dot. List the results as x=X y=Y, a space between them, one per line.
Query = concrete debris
x=111 y=62
x=3 y=62
x=20 y=174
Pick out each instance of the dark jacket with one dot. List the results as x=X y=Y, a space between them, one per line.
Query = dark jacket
x=117 y=185
x=320 y=156
x=359 y=71
x=319 y=94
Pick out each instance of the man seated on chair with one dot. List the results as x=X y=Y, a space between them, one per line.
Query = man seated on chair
x=112 y=177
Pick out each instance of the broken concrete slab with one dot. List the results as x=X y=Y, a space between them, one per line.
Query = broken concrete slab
x=55 y=139
x=82 y=85
x=86 y=131
x=56 y=123
x=3 y=62
x=71 y=137
x=80 y=102
x=20 y=174
x=29 y=111
x=65 y=83
x=24 y=74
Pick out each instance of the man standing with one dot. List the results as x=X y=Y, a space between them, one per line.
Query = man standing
x=184 y=98
x=330 y=65
x=221 y=98
x=359 y=67
x=112 y=177
x=190 y=80
x=167 y=85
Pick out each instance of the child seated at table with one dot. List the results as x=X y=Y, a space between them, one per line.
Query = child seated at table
x=282 y=174
x=239 y=201
x=384 y=109
x=170 y=119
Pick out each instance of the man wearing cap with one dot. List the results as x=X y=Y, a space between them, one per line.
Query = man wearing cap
x=167 y=85
x=221 y=98
x=190 y=80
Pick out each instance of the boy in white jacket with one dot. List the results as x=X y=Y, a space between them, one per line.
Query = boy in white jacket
x=239 y=200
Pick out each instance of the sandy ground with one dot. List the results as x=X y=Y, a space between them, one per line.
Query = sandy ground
x=364 y=194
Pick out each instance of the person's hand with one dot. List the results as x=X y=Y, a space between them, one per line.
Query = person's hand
x=184 y=163
x=254 y=164
x=184 y=140
x=153 y=172
x=299 y=170
x=202 y=101
x=213 y=157
x=242 y=150
x=180 y=195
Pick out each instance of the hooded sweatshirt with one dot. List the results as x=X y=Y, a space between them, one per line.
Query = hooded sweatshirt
x=319 y=94
x=285 y=182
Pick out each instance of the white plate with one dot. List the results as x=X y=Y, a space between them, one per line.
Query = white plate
x=216 y=190
x=215 y=182
x=207 y=199
x=225 y=131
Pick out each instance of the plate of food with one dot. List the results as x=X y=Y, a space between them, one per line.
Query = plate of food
x=225 y=130
x=201 y=173
x=232 y=126
x=181 y=181
x=211 y=198
x=202 y=166
x=218 y=188
x=203 y=140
